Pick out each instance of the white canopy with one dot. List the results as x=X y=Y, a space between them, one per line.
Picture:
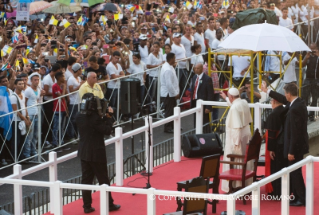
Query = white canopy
x=261 y=37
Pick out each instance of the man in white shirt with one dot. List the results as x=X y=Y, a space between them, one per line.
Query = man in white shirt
x=32 y=97
x=73 y=85
x=272 y=64
x=143 y=49
x=169 y=89
x=115 y=71
x=48 y=82
x=240 y=68
x=180 y=53
x=290 y=74
x=210 y=33
x=69 y=72
x=284 y=21
x=17 y=100
x=188 y=40
x=199 y=36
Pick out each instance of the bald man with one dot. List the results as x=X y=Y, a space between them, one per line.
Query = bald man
x=202 y=88
x=237 y=133
x=91 y=86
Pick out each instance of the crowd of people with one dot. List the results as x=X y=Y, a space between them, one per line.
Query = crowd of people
x=54 y=57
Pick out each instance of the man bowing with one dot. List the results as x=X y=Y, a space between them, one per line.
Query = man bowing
x=237 y=133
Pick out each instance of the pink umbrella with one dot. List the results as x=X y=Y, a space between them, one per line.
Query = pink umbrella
x=38 y=6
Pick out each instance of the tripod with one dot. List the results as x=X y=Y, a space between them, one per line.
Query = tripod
x=132 y=150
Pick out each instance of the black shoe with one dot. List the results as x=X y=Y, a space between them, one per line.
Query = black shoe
x=114 y=207
x=297 y=203
x=168 y=131
x=89 y=210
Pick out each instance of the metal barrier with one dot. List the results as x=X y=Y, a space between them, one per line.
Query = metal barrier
x=56 y=186
x=54 y=127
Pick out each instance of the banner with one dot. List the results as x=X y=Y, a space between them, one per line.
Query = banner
x=23 y=13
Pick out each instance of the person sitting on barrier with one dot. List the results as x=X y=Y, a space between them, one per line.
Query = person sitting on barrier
x=93 y=124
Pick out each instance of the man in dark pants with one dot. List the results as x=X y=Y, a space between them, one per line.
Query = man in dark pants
x=275 y=146
x=169 y=89
x=202 y=88
x=310 y=85
x=92 y=129
x=295 y=136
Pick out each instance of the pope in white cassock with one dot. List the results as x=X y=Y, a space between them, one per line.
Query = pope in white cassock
x=237 y=133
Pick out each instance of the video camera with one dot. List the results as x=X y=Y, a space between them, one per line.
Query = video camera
x=91 y=103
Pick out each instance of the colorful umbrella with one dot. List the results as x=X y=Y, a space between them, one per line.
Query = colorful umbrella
x=57 y=8
x=83 y=3
x=38 y=6
x=104 y=7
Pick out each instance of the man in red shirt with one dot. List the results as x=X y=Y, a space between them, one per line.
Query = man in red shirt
x=59 y=107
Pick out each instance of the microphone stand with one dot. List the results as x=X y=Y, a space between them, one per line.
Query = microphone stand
x=148 y=184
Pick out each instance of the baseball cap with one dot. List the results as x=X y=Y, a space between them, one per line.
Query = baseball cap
x=76 y=67
x=177 y=35
x=36 y=66
x=143 y=37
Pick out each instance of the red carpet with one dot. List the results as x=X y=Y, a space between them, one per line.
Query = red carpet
x=165 y=177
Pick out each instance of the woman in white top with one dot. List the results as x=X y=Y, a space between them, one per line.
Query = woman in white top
x=155 y=59
x=168 y=49
x=138 y=67
x=196 y=57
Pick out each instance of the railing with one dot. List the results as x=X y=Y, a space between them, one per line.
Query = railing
x=47 y=130
x=56 y=186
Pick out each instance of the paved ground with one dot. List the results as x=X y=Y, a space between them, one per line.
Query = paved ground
x=71 y=168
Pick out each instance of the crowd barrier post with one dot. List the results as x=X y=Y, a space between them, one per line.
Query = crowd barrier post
x=255 y=202
x=119 y=156
x=158 y=102
x=60 y=123
x=199 y=117
x=147 y=140
x=231 y=204
x=177 y=134
x=104 y=199
x=151 y=202
x=15 y=138
x=53 y=173
x=39 y=132
x=285 y=191
x=17 y=169
x=310 y=187
x=56 y=189
x=257 y=116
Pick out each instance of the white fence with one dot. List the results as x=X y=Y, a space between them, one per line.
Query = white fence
x=57 y=186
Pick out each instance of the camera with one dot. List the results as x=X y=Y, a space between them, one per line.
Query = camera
x=91 y=103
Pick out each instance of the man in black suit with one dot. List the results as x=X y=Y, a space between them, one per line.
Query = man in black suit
x=202 y=88
x=92 y=129
x=295 y=136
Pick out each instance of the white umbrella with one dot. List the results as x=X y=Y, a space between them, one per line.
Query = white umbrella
x=58 y=8
x=261 y=37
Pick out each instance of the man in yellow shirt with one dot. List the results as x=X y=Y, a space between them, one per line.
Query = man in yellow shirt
x=91 y=86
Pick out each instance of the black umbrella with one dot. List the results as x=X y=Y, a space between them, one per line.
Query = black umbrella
x=104 y=7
